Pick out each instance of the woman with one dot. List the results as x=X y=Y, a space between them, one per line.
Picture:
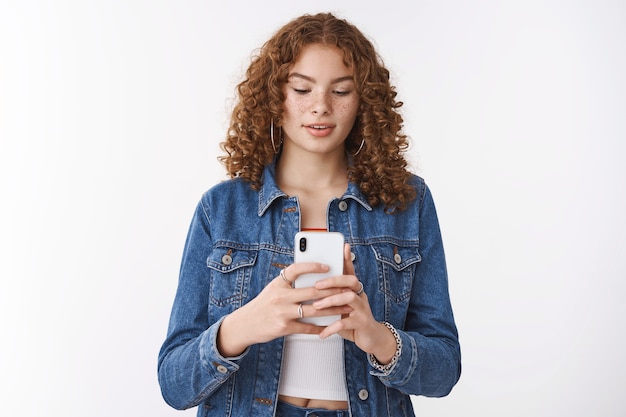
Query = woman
x=315 y=143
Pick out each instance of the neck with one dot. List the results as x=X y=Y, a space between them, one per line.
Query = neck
x=313 y=171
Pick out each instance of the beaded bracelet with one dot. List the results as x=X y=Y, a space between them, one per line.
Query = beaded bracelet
x=386 y=368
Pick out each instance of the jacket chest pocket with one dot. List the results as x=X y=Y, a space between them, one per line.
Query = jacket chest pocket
x=396 y=264
x=231 y=268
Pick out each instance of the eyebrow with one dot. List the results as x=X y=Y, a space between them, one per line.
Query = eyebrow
x=307 y=78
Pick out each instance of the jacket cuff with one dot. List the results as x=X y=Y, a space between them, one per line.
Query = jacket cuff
x=217 y=365
x=402 y=370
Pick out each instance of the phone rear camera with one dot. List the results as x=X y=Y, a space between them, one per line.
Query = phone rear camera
x=302 y=244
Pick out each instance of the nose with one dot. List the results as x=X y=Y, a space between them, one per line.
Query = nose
x=321 y=103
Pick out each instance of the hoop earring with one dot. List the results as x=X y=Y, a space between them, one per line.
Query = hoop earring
x=360 y=147
x=272 y=136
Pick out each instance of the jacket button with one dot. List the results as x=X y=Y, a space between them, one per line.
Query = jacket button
x=352 y=256
x=222 y=369
x=343 y=206
x=227 y=259
x=363 y=394
x=397 y=258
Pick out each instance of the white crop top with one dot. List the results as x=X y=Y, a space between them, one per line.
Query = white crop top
x=313 y=368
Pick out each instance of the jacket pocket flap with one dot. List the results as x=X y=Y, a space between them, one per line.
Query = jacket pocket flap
x=395 y=255
x=226 y=258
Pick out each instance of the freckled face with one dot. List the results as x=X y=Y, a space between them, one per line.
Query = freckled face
x=321 y=102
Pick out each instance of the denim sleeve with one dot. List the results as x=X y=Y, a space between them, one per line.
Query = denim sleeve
x=190 y=368
x=430 y=362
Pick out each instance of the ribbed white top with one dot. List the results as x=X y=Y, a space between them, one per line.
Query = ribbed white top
x=313 y=368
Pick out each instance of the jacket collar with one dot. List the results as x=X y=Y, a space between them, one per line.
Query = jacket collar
x=269 y=191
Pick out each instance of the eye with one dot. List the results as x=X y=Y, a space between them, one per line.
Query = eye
x=342 y=93
x=301 y=90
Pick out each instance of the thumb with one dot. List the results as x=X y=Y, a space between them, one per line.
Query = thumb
x=348 y=268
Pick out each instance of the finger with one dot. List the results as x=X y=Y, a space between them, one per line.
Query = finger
x=335 y=327
x=305 y=328
x=301 y=295
x=340 y=281
x=309 y=310
x=283 y=276
x=361 y=288
x=300 y=268
x=290 y=273
x=346 y=297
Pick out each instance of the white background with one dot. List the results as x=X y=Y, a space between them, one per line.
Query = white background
x=110 y=117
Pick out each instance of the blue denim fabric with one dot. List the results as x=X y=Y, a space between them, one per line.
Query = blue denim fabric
x=399 y=258
x=288 y=410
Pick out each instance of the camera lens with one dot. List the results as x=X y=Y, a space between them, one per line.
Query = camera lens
x=302 y=244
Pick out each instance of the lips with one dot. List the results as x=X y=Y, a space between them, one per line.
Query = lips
x=320 y=130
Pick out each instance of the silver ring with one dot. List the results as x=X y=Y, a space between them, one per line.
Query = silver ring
x=282 y=275
x=300 y=311
x=359 y=292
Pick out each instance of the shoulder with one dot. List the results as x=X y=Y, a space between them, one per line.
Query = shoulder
x=228 y=192
x=421 y=189
x=417 y=182
x=230 y=186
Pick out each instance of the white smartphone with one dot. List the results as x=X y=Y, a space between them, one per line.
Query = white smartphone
x=325 y=248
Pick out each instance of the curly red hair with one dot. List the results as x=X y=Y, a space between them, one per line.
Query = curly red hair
x=379 y=168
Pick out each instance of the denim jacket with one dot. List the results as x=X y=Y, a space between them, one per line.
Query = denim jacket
x=239 y=240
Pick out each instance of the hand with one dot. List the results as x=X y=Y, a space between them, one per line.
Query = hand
x=275 y=312
x=358 y=323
